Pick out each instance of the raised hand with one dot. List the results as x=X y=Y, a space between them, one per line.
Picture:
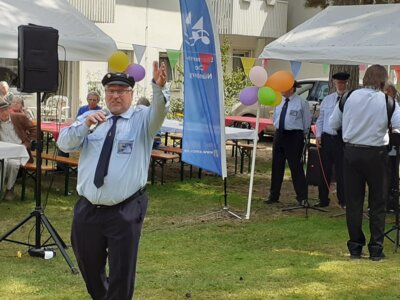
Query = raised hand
x=159 y=74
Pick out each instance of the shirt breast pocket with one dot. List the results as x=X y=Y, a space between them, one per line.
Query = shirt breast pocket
x=96 y=137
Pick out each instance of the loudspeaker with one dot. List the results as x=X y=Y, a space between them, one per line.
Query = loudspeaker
x=37 y=58
x=313 y=173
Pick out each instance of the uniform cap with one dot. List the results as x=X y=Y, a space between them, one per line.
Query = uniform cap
x=341 y=76
x=118 y=79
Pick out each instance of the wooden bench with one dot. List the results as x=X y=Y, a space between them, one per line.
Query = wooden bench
x=30 y=170
x=159 y=157
x=245 y=150
x=176 y=139
x=70 y=163
x=177 y=150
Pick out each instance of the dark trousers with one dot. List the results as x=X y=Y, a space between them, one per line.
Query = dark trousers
x=288 y=146
x=365 y=166
x=112 y=232
x=331 y=154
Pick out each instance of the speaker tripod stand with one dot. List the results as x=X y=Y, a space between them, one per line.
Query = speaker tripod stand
x=225 y=209
x=38 y=248
x=395 y=193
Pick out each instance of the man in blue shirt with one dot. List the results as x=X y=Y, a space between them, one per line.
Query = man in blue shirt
x=330 y=144
x=292 y=120
x=93 y=99
x=115 y=150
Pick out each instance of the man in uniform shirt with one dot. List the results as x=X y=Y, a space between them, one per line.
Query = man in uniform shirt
x=364 y=124
x=112 y=174
x=292 y=120
x=330 y=144
x=15 y=128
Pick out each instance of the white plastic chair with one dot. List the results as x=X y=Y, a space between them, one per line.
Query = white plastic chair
x=56 y=108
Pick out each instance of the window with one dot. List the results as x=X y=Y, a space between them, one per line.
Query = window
x=236 y=60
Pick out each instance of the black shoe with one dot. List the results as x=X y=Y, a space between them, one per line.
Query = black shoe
x=355 y=256
x=377 y=257
x=321 y=204
x=271 y=200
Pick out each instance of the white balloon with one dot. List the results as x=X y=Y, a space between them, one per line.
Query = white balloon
x=258 y=76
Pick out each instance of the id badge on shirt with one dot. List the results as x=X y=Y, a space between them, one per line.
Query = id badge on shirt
x=125 y=146
x=293 y=113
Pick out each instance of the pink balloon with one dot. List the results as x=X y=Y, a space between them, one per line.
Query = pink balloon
x=249 y=95
x=136 y=71
x=258 y=76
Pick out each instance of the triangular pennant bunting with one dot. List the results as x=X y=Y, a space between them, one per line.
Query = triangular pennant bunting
x=247 y=63
x=139 y=52
x=295 y=67
x=173 y=56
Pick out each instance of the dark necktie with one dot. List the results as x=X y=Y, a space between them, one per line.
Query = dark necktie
x=104 y=159
x=338 y=98
x=283 y=115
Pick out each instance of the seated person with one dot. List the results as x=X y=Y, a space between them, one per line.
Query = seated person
x=93 y=99
x=18 y=106
x=18 y=129
x=157 y=139
x=5 y=93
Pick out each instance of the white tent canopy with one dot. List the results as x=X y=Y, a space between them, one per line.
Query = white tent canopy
x=81 y=38
x=357 y=34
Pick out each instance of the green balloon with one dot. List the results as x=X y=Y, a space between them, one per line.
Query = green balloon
x=266 y=96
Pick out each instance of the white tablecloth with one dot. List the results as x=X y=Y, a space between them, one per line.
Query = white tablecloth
x=9 y=150
x=231 y=133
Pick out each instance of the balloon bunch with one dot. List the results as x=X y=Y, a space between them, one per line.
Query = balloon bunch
x=266 y=90
x=119 y=62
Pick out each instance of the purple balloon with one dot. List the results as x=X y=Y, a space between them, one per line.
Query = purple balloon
x=249 y=95
x=136 y=71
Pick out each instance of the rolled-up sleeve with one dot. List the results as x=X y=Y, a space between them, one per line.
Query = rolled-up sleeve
x=71 y=138
x=158 y=109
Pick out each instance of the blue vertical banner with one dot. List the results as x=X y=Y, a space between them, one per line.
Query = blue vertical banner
x=203 y=123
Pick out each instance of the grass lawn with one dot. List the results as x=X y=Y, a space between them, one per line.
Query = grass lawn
x=187 y=254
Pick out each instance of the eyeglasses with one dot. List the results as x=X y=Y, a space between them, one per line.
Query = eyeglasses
x=118 y=92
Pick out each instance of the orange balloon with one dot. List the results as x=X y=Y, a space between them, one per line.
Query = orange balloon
x=280 y=81
x=278 y=98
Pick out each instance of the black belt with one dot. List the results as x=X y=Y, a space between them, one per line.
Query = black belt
x=293 y=131
x=364 y=146
x=330 y=135
x=139 y=193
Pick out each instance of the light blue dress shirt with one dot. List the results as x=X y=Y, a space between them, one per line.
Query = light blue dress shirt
x=364 y=119
x=130 y=156
x=298 y=115
x=325 y=112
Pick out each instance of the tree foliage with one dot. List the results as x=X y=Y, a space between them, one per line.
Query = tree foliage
x=234 y=81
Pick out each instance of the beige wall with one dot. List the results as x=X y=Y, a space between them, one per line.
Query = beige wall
x=155 y=24
x=298 y=14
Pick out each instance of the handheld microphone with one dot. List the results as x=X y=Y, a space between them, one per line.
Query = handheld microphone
x=93 y=127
